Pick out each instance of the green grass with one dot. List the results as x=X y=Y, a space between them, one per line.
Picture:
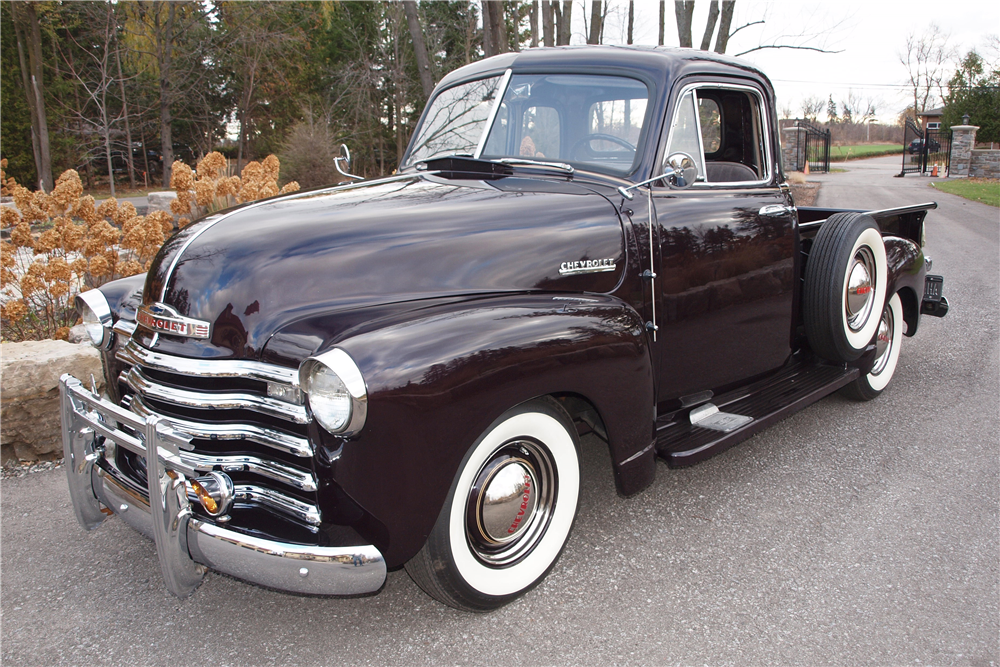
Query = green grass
x=983 y=190
x=858 y=151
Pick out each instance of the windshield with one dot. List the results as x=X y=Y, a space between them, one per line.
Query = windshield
x=589 y=121
x=455 y=121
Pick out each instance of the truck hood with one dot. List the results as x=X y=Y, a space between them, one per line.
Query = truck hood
x=252 y=271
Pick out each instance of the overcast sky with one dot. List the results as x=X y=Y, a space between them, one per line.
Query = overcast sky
x=869 y=35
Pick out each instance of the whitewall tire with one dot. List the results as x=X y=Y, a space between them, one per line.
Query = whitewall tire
x=509 y=512
x=888 y=339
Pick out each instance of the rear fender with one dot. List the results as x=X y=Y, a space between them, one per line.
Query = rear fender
x=438 y=380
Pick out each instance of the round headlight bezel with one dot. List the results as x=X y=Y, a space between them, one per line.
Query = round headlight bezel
x=337 y=364
x=95 y=311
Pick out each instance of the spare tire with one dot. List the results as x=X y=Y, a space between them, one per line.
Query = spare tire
x=845 y=287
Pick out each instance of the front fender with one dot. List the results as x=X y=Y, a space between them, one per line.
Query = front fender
x=437 y=380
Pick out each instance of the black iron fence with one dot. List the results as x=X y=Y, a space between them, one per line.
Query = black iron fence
x=816 y=149
x=925 y=150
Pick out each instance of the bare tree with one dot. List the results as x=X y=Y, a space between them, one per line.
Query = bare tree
x=97 y=77
x=419 y=50
x=564 y=21
x=812 y=106
x=721 y=12
x=28 y=33
x=494 y=28
x=926 y=59
x=533 y=19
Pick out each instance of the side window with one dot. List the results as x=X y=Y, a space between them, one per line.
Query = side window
x=685 y=137
x=723 y=129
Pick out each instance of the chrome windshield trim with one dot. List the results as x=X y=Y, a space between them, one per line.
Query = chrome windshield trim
x=143 y=385
x=134 y=354
x=272 y=438
x=501 y=91
x=304 y=512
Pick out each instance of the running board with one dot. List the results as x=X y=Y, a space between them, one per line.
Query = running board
x=687 y=437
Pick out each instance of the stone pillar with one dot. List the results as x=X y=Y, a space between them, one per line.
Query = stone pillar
x=963 y=140
x=792 y=148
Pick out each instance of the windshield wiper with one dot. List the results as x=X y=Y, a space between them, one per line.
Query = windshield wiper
x=521 y=162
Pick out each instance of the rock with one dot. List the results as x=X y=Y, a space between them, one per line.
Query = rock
x=78 y=334
x=29 y=406
x=160 y=201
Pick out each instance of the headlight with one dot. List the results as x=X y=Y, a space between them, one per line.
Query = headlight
x=96 y=313
x=336 y=389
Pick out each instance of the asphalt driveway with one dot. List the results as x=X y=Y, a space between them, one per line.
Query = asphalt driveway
x=849 y=534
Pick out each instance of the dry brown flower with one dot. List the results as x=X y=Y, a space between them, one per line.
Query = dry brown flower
x=291 y=186
x=20 y=236
x=14 y=310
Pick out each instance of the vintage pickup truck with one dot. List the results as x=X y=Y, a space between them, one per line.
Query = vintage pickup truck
x=307 y=391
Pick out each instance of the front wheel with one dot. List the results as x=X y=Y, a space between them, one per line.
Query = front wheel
x=508 y=514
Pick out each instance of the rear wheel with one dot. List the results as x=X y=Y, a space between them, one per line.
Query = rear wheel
x=509 y=513
x=887 y=344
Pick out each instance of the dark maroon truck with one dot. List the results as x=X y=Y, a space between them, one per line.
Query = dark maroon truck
x=307 y=391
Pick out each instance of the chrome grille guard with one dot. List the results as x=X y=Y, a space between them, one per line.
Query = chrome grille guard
x=185 y=544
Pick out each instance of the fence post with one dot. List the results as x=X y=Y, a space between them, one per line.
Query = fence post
x=962 y=143
x=793 y=149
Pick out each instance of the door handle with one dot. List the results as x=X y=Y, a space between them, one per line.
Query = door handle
x=772 y=210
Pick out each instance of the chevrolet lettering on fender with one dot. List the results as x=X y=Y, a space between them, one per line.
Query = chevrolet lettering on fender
x=588 y=241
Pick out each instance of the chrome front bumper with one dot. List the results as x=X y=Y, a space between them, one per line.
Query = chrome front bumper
x=185 y=544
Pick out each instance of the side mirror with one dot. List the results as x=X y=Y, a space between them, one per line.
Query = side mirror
x=345 y=160
x=682 y=173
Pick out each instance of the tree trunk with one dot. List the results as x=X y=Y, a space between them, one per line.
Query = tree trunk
x=725 y=24
x=30 y=96
x=164 y=48
x=38 y=84
x=29 y=37
x=631 y=20
x=683 y=11
x=595 y=22
x=121 y=87
x=566 y=22
x=548 y=29
x=489 y=48
x=663 y=20
x=419 y=49
x=713 y=16
x=533 y=17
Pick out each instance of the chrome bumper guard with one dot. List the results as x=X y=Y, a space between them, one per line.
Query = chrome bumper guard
x=185 y=544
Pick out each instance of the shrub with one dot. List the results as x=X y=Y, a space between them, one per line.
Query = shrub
x=212 y=187
x=76 y=245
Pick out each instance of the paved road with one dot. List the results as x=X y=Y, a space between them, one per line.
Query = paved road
x=849 y=534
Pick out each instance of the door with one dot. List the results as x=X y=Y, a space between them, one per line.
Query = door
x=727 y=248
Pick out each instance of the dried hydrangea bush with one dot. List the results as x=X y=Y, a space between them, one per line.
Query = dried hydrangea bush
x=210 y=186
x=78 y=245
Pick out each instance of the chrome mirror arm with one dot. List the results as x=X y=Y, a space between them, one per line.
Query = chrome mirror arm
x=345 y=157
x=682 y=168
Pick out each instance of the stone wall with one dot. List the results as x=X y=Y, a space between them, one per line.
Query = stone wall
x=29 y=394
x=985 y=164
x=792 y=149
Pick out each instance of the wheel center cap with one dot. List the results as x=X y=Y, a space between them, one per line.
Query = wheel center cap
x=859 y=290
x=508 y=501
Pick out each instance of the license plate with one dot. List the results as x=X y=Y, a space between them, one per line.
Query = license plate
x=933 y=287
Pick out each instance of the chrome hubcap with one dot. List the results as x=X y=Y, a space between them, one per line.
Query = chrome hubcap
x=860 y=288
x=883 y=341
x=510 y=503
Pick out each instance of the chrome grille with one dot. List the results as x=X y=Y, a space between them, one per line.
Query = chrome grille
x=258 y=440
